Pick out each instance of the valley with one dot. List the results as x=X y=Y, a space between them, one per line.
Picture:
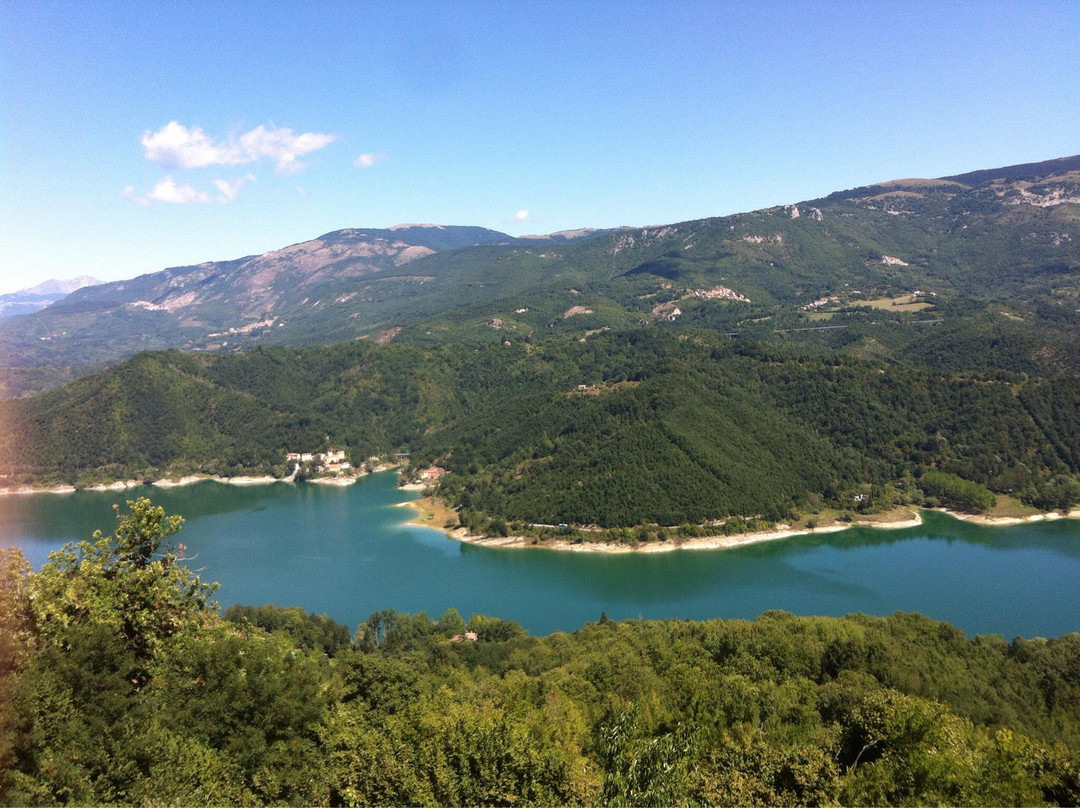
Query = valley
x=539 y=404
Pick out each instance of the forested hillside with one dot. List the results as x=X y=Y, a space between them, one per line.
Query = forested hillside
x=760 y=366
x=626 y=427
x=121 y=684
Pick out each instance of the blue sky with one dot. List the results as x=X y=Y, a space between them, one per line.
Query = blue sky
x=140 y=135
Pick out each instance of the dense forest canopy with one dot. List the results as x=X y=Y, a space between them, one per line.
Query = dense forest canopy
x=120 y=683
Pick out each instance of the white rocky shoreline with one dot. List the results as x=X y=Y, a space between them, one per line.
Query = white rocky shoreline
x=719 y=542
x=124 y=485
x=190 y=479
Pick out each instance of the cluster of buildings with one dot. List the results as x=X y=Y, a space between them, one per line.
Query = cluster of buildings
x=332 y=460
x=720 y=293
x=821 y=301
x=430 y=474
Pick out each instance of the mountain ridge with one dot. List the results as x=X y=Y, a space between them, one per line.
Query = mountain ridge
x=1021 y=171
x=1011 y=240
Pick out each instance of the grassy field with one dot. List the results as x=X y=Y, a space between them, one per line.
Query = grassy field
x=433 y=513
x=898 y=303
x=1010 y=507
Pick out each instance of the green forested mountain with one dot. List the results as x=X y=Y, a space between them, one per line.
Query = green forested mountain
x=828 y=354
x=121 y=684
x=642 y=425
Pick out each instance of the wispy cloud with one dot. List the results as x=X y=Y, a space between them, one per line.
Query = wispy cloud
x=368 y=160
x=521 y=215
x=229 y=190
x=282 y=146
x=129 y=193
x=182 y=193
x=177 y=146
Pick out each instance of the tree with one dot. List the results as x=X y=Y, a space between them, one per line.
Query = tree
x=133 y=690
x=14 y=646
x=642 y=768
x=956 y=491
x=98 y=618
x=130 y=582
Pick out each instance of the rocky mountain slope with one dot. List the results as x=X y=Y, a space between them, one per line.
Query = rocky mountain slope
x=209 y=305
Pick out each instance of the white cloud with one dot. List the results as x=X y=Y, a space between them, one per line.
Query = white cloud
x=368 y=160
x=177 y=146
x=521 y=215
x=179 y=193
x=230 y=190
x=282 y=146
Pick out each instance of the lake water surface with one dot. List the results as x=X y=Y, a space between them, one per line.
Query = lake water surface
x=347 y=552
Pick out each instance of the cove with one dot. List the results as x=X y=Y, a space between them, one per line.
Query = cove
x=348 y=552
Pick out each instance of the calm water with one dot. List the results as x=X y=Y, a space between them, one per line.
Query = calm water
x=347 y=552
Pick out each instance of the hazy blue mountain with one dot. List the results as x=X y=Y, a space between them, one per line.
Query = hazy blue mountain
x=28 y=301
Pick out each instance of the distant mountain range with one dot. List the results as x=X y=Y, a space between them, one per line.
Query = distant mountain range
x=28 y=301
x=1010 y=235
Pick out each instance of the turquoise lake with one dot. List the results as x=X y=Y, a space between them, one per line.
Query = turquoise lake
x=347 y=552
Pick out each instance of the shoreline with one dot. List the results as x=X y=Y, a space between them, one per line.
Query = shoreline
x=190 y=479
x=1006 y=521
x=166 y=482
x=426 y=509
